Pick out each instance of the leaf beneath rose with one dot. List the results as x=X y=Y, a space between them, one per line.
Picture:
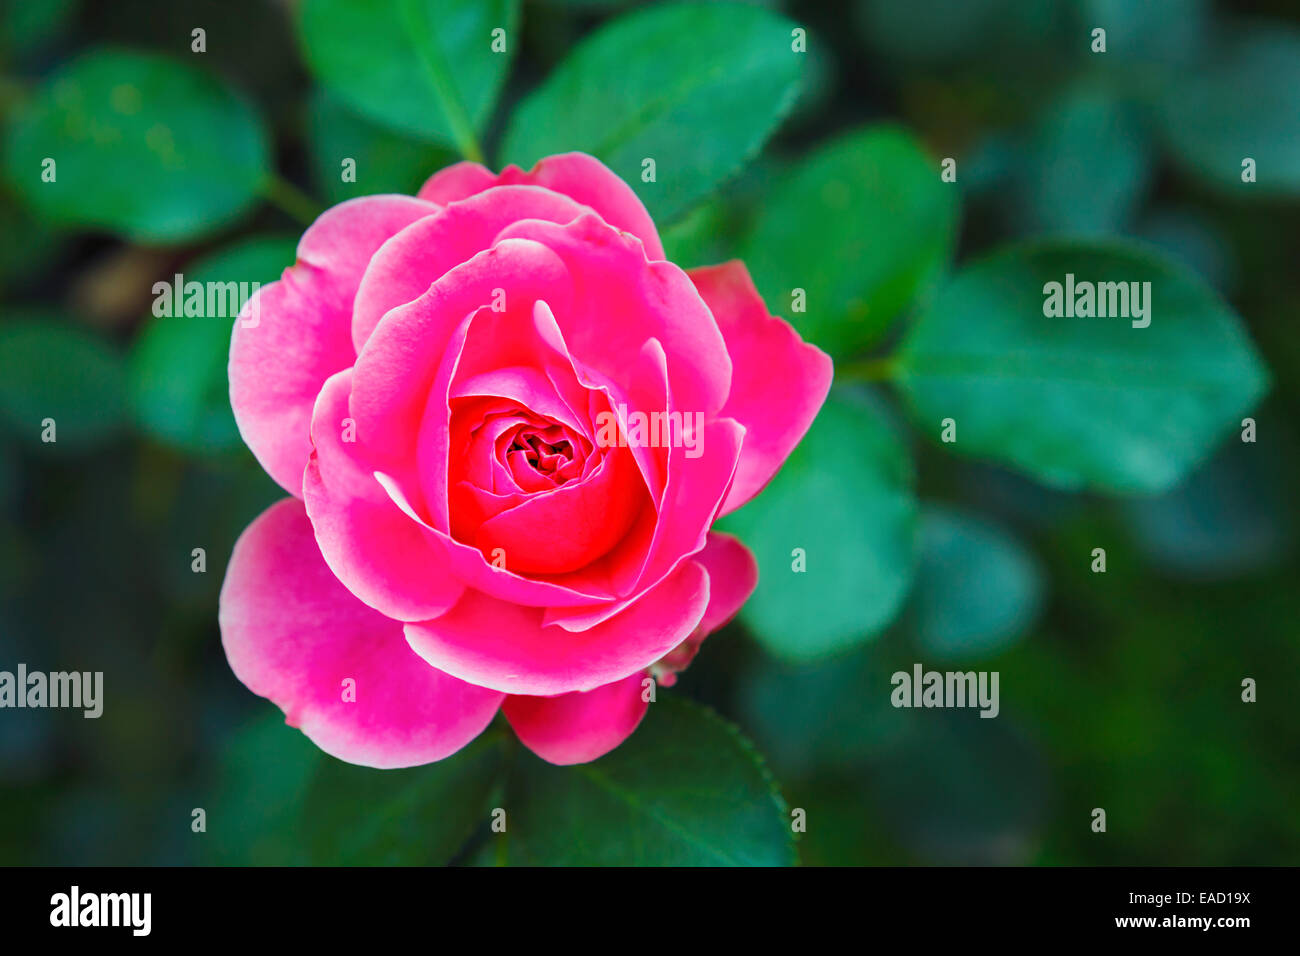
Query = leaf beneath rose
x=843 y=504
x=686 y=789
x=697 y=88
x=1081 y=402
x=279 y=801
x=143 y=145
x=862 y=226
x=419 y=816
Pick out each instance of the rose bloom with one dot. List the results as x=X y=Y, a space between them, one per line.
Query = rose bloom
x=508 y=425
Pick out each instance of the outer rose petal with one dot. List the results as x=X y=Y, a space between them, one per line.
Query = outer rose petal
x=576 y=175
x=293 y=633
x=581 y=726
x=302 y=334
x=762 y=346
x=408 y=263
x=376 y=551
x=733 y=575
x=506 y=647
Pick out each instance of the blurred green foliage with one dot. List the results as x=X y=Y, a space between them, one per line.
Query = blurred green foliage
x=1120 y=690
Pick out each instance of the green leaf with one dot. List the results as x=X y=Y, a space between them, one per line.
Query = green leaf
x=1232 y=517
x=417 y=816
x=845 y=499
x=179 y=391
x=279 y=800
x=418 y=78
x=686 y=789
x=959 y=789
x=49 y=369
x=144 y=145
x=833 y=713
x=863 y=226
x=385 y=161
x=1089 y=168
x=977 y=588
x=1164 y=32
x=262 y=776
x=1245 y=102
x=1081 y=402
x=942 y=32
x=695 y=87
x=27 y=28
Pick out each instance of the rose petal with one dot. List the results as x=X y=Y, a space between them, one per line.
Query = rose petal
x=302 y=332
x=762 y=347
x=571 y=526
x=695 y=490
x=733 y=575
x=408 y=362
x=650 y=300
x=579 y=726
x=294 y=634
x=382 y=556
x=408 y=263
x=505 y=646
x=577 y=175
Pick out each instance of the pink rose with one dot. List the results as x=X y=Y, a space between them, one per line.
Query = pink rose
x=508 y=425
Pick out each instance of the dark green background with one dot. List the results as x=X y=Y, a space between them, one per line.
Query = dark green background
x=1124 y=694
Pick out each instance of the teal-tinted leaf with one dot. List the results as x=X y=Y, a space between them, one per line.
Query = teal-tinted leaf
x=844 y=500
x=1081 y=402
x=863 y=225
x=179 y=390
x=385 y=162
x=695 y=87
x=977 y=588
x=52 y=370
x=1233 y=516
x=1244 y=103
x=416 y=816
x=370 y=56
x=1189 y=235
x=1089 y=166
x=957 y=31
x=832 y=713
x=686 y=789
x=960 y=789
x=1155 y=31
x=143 y=145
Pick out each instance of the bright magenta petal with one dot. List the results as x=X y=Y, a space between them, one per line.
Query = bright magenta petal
x=762 y=346
x=408 y=263
x=381 y=555
x=506 y=647
x=581 y=726
x=293 y=634
x=296 y=332
x=650 y=300
x=576 y=175
x=733 y=575
x=409 y=359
